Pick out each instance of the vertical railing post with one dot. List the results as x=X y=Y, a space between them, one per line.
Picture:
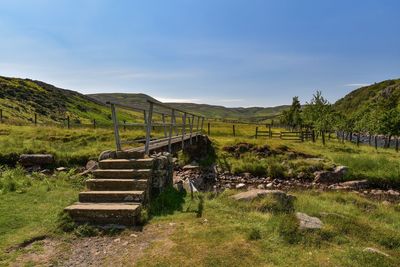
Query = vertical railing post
x=270 y=130
x=197 y=128
x=191 y=129
x=256 y=132
x=145 y=120
x=68 y=123
x=94 y=123
x=1 y=116
x=116 y=131
x=148 y=129
x=124 y=125
x=35 y=119
x=183 y=130
x=202 y=124
x=233 y=130
x=170 y=130
x=208 y=128
x=165 y=127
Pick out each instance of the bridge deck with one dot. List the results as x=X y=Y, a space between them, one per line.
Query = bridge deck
x=162 y=144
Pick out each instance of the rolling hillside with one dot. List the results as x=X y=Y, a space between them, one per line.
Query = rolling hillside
x=359 y=99
x=210 y=111
x=20 y=99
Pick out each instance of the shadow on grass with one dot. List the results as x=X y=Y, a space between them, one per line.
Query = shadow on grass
x=169 y=201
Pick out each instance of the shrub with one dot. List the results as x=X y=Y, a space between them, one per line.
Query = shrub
x=254 y=234
x=276 y=170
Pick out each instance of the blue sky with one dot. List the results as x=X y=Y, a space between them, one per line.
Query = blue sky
x=232 y=53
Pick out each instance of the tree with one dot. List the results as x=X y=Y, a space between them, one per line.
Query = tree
x=319 y=113
x=293 y=117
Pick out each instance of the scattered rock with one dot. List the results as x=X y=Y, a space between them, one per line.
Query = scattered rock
x=192 y=166
x=29 y=160
x=117 y=240
x=260 y=186
x=308 y=222
x=241 y=186
x=358 y=184
x=92 y=165
x=61 y=169
x=269 y=185
x=45 y=171
x=376 y=251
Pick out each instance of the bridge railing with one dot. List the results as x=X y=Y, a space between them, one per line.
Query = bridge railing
x=170 y=129
x=191 y=117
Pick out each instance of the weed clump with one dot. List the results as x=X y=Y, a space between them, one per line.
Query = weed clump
x=254 y=234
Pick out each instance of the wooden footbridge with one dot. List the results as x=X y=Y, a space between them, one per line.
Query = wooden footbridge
x=128 y=178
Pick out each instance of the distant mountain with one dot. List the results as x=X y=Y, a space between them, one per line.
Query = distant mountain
x=210 y=111
x=359 y=99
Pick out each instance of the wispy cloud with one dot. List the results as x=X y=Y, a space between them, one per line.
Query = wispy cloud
x=356 y=84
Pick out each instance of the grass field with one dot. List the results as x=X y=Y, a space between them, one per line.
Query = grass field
x=232 y=234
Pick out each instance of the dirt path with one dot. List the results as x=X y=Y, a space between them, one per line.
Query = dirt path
x=119 y=250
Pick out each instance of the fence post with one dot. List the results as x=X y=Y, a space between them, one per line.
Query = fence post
x=256 y=132
x=397 y=144
x=94 y=123
x=233 y=129
x=116 y=131
x=376 y=141
x=68 y=122
x=148 y=129
x=323 y=137
x=124 y=125
x=183 y=130
x=170 y=130
x=358 y=139
x=302 y=136
x=35 y=119
x=1 y=116
x=270 y=130
x=208 y=132
x=313 y=136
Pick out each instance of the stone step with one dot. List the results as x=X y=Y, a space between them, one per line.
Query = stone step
x=122 y=174
x=116 y=184
x=126 y=163
x=111 y=196
x=105 y=213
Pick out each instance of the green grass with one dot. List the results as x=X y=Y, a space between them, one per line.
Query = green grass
x=31 y=207
x=236 y=235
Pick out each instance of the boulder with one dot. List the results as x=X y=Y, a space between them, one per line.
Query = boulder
x=108 y=154
x=256 y=193
x=29 y=160
x=308 y=222
x=334 y=176
x=61 y=169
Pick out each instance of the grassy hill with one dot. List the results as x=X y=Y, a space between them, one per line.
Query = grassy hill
x=210 y=111
x=20 y=99
x=360 y=98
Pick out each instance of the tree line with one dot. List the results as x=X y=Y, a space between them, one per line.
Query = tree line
x=380 y=117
